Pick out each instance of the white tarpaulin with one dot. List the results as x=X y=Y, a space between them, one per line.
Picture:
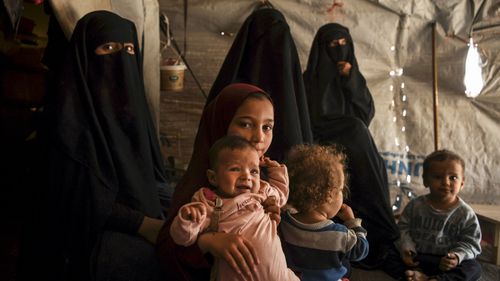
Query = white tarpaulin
x=393 y=46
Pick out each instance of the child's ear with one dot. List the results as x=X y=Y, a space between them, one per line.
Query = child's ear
x=329 y=197
x=212 y=178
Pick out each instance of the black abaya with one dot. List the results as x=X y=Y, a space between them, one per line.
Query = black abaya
x=104 y=162
x=341 y=108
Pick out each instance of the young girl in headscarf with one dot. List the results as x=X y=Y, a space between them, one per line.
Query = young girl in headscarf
x=242 y=110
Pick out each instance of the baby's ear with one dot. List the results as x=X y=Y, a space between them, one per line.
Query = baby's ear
x=329 y=198
x=212 y=178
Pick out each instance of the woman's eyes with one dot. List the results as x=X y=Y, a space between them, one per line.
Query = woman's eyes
x=113 y=47
x=129 y=48
x=108 y=48
x=338 y=42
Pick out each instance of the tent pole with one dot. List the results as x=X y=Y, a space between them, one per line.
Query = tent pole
x=435 y=87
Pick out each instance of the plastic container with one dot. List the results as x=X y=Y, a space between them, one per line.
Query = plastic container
x=172 y=77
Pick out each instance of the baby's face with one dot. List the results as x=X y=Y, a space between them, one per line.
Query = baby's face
x=237 y=172
x=444 y=179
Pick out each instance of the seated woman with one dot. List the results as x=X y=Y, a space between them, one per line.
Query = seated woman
x=242 y=110
x=101 y=209
x=341 y=108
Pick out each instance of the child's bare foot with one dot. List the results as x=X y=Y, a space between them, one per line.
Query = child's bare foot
x=414 y=275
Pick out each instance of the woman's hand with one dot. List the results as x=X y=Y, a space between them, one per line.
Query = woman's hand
x=407 y=257
x=344 y=68
x=150 y=228
x=233 y=248
x=271 y=207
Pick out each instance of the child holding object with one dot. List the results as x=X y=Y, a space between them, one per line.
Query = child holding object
x=233 y=204
x=315 y=245
x=440 y=233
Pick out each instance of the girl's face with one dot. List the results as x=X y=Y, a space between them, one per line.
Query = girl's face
x=254 y=121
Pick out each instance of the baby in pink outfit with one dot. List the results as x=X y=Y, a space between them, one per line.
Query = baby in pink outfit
x=234 y=206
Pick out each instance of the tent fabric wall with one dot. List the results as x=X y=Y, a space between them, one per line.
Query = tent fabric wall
x=145 y=15
x=392 y=42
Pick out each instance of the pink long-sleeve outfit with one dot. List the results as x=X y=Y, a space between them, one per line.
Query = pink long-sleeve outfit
x=243 y=215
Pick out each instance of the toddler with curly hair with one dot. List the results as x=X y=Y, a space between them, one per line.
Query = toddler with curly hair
x=315 y=245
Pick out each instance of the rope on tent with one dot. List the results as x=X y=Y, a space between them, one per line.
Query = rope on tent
x=166 y=30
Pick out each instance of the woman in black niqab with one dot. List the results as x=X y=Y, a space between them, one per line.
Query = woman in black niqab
x=341 y=109
x=104 y=162
x=334 y=93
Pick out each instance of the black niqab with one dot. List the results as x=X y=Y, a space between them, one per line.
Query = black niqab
x=328 y=93
x=264 y=54
x=103 y=119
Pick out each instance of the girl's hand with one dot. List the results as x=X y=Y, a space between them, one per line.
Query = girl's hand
x=272 y=208
x=448 y=262
x=267 y=162
x=233 y=248
x=407 y=257
x=193 y=213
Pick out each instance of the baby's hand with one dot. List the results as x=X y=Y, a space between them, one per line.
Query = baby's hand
x=448 y=262
x=407 y=257
x=345 y=213
x=193 y=213
x=271 y=207
x=267 y=162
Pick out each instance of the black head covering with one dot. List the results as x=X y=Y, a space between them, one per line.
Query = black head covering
x=264 y=54
x=102 y=143
x=328 y=93
x=104 y=121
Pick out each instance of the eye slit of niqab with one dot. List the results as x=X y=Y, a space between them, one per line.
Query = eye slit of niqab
x=113 y=47
x=129 y=48
x=108 y=48
x=338 y=42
